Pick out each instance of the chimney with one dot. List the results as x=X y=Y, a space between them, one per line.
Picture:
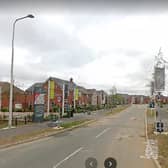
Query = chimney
x=71 y=80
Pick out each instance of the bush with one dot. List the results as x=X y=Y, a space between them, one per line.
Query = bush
x=18 y=110
x=55 y=109
x=51 y=117
x=4 y=110
x=80 y=109
x=91 y=108
x=65 y=115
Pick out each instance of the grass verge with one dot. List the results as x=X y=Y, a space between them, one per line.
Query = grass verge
x=151 y=112
x=72 y=124
x=162 y=145
x=118 y=109
x=39 y=134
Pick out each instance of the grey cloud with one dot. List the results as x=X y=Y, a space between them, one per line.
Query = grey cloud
x=56 y=47
x=4 y=71
x=142 y=76
x=21 y=73
x=58 y=50
x=87 y=5
x=130 y=52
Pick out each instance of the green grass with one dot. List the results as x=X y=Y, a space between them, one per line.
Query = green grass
x=162 y=145
x=72 y=124
x=39 y=133
x=163 y=150
x=151 y=113
x=117 y=109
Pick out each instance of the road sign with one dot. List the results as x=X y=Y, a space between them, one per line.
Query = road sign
x=159 y=79
x=152 y=104
x=159 y=126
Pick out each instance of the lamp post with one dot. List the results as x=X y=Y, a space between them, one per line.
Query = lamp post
x=0 y=98
x=11 y=74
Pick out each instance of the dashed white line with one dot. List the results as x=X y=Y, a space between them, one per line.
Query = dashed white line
x=104 y=131
x=68 y=157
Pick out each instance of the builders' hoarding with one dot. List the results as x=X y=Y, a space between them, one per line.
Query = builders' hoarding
x=159 y=79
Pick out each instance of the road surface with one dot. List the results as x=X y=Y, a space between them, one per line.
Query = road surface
x=121 y=136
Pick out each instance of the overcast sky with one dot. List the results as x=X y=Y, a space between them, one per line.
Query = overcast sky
x=98 y=45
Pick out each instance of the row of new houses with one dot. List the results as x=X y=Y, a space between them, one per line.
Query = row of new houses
x=59 y=91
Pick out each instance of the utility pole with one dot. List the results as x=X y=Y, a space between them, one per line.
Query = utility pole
x=32 y=97
x=12 y=67
x=159 y=81
x=63 y=97
x=48 y=100
x=74 y=98
x=0 y=98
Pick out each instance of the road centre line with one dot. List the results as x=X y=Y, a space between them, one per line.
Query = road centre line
x=104 y=131
x=68 y=157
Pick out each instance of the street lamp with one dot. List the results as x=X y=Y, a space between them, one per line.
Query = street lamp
x=11 y=75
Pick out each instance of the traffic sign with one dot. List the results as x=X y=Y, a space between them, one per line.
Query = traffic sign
x=159 y=126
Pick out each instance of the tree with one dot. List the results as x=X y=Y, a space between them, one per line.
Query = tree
x=113 y=93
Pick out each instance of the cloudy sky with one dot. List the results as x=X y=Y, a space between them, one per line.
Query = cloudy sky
x=98 y=44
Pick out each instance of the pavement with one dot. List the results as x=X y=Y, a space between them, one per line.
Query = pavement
x=120 y=136
x=26 y=129
x=163 y=115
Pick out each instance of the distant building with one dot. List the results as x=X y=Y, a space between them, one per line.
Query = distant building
x=57 y=92
x=92 y=96
x=82 y=97
x=19 y=96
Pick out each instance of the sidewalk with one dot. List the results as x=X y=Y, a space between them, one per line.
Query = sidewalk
x=35 y=127
x=163 y=116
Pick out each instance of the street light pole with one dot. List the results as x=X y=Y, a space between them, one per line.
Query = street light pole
x=0 y=98
x=11 y=73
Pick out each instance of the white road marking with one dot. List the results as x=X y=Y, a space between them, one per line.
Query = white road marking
x=142 y=157
x=146 y=125
x=104 y=131
x=68 y=157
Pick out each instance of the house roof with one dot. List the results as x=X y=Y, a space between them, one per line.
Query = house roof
x=6 y=88
x=31 y=88
x=91 y=91
x=60 y=82
x=82 y=89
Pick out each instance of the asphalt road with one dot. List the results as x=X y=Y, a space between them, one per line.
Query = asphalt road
x=121 y=136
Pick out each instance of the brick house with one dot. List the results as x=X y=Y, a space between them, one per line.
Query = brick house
x=19 y=96
x=56 y=99
x=101 y=97
x=92 y=97
x=82 y=96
